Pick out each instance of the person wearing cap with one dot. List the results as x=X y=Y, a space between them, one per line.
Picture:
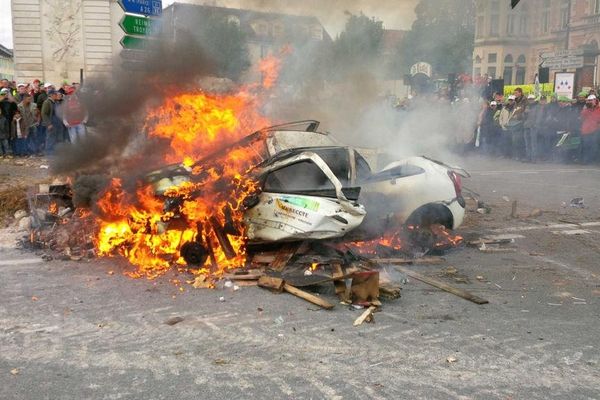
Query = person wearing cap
x=590 y=130
x=529 y=131
x=21 y=89
x=9 y=108
x=581 y=99
x=51 y=120
x=29 y=113
x=488 y=128
x=505 y=120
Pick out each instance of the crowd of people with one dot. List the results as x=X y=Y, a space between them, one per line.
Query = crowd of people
x=544 y=128
x=36 y=116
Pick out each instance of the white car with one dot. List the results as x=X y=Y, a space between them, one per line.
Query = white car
x=314 y=188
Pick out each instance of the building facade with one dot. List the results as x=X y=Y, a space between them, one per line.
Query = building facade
x=56 y=40
x=509 y=42
x=266 y=32
x=7 y=66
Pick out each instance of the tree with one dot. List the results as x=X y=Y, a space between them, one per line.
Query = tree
x=358 y=46
x=442 y=35
x=224 y=42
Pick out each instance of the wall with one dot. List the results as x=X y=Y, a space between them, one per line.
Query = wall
x=54 y=39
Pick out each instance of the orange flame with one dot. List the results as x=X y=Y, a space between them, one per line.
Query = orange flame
x=209 y=211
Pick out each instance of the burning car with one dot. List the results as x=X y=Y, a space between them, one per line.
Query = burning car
x=319 y=191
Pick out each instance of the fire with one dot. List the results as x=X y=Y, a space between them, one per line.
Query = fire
x=205 y=220
x=434 y=237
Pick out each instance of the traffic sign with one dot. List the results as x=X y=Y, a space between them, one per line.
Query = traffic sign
x=135 y=25
x=144 y=7
x=563 y=62
x=138 y=43
x=562 y=53
x=135 y=55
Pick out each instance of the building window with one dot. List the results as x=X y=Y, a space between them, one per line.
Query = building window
x=479 y=26
x=511 y=23
x=508 y=59
x=277 y=30
x=316 y=32
x=491 y=72
x=596 y=9
x=564 y=14
x=523 y=21
x=508 y=72
x=477 y=60
x=546 y=16
x=520 y=79
x=521 y=59
x=495 y=18
x=492 y=57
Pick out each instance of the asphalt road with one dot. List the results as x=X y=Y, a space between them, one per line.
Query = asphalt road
x=72 y=330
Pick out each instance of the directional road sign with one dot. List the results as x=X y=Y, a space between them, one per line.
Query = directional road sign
x=135 y=25
x=144 y=7
x=138 y=43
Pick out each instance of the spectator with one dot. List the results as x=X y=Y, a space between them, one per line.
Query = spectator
x=590 y=129
x=539 y=129
x=43 y=95
x=21 y=89
x=51 y=120
x=74 y=115
x=516 y=125
x=29 y=113
x=4 y=135
x=489 y=129
x=504 y=118
x=529 y=131
x=9 y=107
x=20 y=134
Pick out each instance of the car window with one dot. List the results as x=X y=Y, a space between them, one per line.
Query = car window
x=338 y=162
x=401 y=171
x=301 y=176
x=363 y=170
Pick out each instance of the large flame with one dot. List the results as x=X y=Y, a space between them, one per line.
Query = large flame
x=209 y=211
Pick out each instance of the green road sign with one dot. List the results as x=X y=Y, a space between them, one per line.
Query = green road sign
x=135 y=25
x=140 y=43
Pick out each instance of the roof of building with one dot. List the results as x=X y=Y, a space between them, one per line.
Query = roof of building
x=6 y=52
x=246 y=17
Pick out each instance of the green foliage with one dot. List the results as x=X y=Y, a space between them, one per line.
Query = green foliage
x=358 y=45
x=442 y=35
x=225 y=43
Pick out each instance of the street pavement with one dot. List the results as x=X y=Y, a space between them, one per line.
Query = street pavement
x=82 y=330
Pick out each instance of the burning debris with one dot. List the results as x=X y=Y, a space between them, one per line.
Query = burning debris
x=285 y=207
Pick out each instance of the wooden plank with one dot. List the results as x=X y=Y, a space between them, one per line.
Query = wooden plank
x=307 y=296
x=363 y=317
x=269 y=282
x=416 y=261
x=243 y=277
x=222 y=238
x=284 y=255
x=442 y=285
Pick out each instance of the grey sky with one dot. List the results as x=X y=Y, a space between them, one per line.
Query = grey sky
x=395 y=14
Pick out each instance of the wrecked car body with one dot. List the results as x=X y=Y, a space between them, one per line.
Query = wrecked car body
x=302 y=198
x=311 y=187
